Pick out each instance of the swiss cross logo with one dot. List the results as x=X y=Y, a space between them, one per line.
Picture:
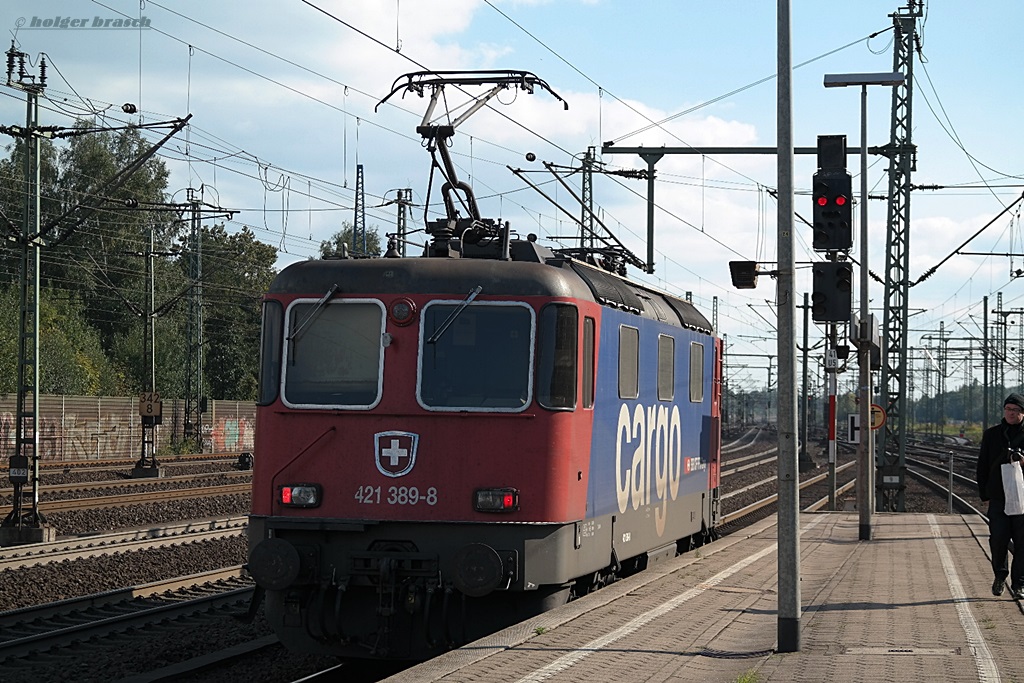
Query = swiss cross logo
x=395 y=452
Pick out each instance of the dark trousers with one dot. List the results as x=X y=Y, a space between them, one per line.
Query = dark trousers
x=1003 y=528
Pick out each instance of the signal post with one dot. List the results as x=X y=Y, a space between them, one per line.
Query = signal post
x=151 y=415
x=832 y=280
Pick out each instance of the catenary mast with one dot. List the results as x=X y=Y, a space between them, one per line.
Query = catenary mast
x=902 y=154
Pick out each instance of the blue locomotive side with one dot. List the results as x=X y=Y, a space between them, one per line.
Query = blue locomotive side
x=654 y=433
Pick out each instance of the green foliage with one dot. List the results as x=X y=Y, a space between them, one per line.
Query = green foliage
x=237 y=270
x=333 y=247
x=72 y=360
x=96 y=289
x=103 y=254
x=169 y=447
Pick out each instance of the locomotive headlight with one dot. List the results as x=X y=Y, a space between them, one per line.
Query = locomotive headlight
x=402 y=311
x=300 y=495
x=496 y=500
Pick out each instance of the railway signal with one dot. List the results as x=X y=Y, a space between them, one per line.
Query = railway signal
x=744 y=274
x=832 y=295
x=833 y=211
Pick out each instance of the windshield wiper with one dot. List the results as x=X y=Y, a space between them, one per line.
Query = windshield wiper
x=317 y=307
x=455 y=314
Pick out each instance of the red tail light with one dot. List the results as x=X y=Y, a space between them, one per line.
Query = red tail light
x=300 y=495
x=496 y=500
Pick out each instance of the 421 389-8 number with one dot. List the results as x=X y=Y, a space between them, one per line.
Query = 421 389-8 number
x=395 y=495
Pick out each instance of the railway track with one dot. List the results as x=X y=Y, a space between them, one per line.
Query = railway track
x=132 y=540
x=122 y=500
x=55 y=490
x=46 y=466
x=55 y=628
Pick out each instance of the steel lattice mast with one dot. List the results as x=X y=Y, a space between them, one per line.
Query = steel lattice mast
x=359 y=221
x=902 y=160
x=29 y=525
x=194 y=359
x=587 y=226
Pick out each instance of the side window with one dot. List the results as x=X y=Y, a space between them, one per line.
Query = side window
x=588 y=362
x=696 y=372
x=629 y=362
x=666 y=368
x=556 y=356
x=270 y=352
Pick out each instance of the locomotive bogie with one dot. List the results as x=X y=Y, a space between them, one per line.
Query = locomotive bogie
x=356 y=583
x=383 y=577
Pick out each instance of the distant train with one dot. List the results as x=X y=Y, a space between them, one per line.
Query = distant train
x=451 y=443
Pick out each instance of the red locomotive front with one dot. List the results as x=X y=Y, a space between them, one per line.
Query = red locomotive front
x=415 y=439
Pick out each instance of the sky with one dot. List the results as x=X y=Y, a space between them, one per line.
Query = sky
x=285 y=103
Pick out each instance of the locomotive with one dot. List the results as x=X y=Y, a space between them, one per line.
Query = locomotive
x=453 y=442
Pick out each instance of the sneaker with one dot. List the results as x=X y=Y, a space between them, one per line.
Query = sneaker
x=1017 y=592
x=997 y=587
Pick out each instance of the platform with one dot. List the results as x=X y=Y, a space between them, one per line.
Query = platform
x=912 y=604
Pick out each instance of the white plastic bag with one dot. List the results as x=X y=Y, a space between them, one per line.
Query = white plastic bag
x=1013 y=487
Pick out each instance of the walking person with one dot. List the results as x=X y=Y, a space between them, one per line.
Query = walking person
x=996 y=445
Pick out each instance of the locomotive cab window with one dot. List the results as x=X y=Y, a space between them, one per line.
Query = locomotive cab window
x=629 y=362
x=270 y=352
x=334 y=354
x=556 y=356
x=696 y=372
x=477 y=357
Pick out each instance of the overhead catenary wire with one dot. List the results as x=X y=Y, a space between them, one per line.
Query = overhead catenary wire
x=475 y=158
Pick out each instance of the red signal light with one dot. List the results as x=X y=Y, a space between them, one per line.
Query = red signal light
x=840 y=200
x=822 y=201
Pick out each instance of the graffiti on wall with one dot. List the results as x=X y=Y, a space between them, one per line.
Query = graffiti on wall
x=109 y=429
x=231 y=434
x=73 y=437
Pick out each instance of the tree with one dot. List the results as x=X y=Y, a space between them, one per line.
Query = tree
x=95 y=297
x=89 y=275
x=101 y=256
x=332 y=248
x=75 y=362
x=237 y=270
x=13 y=198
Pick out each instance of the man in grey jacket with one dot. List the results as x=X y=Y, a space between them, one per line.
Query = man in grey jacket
x=998 y=446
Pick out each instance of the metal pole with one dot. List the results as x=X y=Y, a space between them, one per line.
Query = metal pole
x=984 y=355
x=865 y=450
x=831 y=376
x=789 y=485
x=805 y=459
x=951 y=482
x=152 y=309
x=651 y=158
x=33 y=99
